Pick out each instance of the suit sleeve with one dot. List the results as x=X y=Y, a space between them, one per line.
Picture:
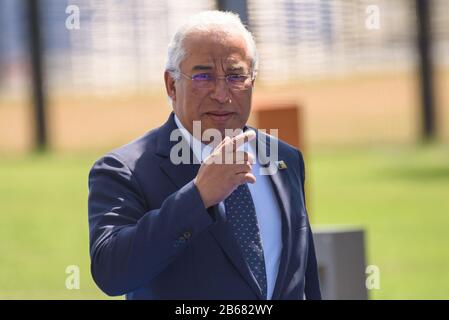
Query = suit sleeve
x=129 y=246
x=312 y=281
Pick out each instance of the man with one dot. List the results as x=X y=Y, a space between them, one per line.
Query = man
x=222 y=229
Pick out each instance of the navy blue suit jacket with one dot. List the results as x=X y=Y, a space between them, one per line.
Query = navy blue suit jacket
x=152 y=238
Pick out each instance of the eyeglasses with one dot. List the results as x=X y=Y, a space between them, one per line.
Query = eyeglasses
x=208 y=80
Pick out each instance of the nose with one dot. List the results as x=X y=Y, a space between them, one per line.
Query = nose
x=221 y=92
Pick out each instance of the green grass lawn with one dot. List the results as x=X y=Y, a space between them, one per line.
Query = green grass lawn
x=399 y=195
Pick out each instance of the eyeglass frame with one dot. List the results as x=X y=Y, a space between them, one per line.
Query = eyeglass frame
x=250 y=76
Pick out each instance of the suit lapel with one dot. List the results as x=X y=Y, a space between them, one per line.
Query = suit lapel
x=281 y=186
x=283 y=197
x=179 y=174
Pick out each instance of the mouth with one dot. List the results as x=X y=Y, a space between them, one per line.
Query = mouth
x=220 y=116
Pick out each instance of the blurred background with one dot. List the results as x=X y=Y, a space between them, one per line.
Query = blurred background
x=369 y=81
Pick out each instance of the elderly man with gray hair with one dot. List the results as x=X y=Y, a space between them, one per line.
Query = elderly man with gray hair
x=190 y=209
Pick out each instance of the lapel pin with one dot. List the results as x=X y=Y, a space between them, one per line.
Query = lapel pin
x=281 y=165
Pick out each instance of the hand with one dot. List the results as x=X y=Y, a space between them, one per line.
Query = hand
x=225 y=169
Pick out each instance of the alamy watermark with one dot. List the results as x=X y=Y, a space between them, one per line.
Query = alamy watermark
x=72 y=281
x=372 y=277
x=72 y=22
x=264 y=148
x=372 y=20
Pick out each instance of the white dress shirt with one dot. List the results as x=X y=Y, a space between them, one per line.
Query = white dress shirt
x=267 y=209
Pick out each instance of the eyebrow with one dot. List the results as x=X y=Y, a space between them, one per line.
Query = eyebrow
x=201 y=68
x=208 y=68
x=235 y=68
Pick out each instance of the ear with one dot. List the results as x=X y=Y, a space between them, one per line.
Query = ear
x=170 y=85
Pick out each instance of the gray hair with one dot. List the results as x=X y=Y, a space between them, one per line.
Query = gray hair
x=205 y=21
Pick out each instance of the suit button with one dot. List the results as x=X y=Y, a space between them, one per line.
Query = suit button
x=187 y=235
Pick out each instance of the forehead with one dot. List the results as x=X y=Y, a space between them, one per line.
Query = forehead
x=216 y=50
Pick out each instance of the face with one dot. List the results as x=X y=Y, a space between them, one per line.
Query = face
x=217 y=107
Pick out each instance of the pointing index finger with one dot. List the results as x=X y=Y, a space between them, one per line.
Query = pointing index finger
x=240 y=139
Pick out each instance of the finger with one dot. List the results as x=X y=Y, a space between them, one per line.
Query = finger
x=218 y=158
x=243 y=168
x=239 y=157
x=239 y=140
x=247 y=177
x=242 y=138
x=242 y=157
x=222 y=143
x=210 y=159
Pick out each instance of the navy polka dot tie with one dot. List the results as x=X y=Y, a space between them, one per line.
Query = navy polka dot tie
x=242 y=218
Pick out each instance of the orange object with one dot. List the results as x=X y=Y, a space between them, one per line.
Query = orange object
x=285 y=117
